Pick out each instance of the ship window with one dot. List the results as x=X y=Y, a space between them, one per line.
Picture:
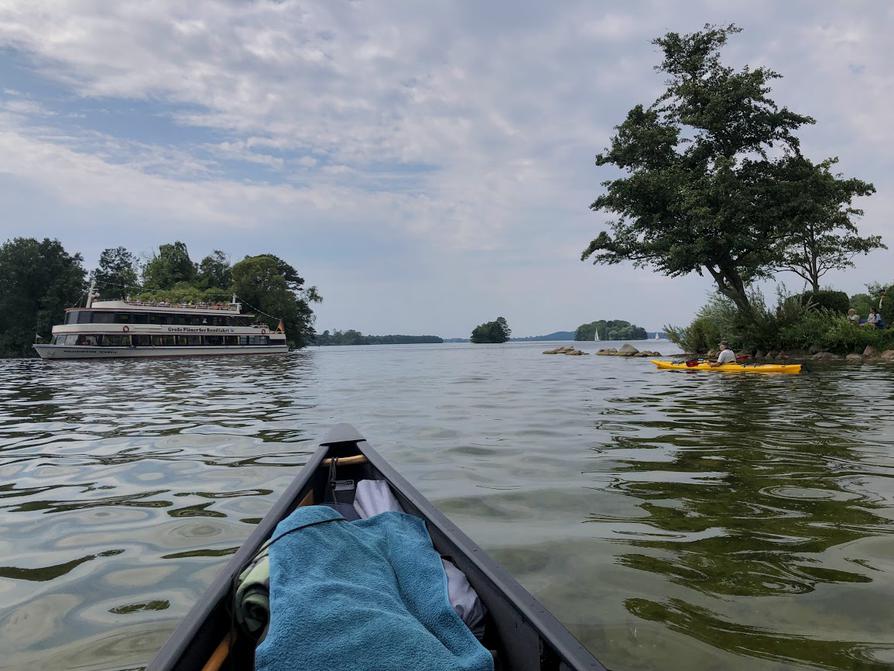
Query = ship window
x=88 y=340
x=232 y=340
x=140 y=318
x=71 y=317
x=155 y=318
x=103 y=318
x=122 y=318
x=158 y=340
x=180 y=320
x=142 y=340
x=182 y=340
x=116 y=340
x=83 y=317
x=259 y=340
x=195 y=320
x=243 y=340
x=193 y=340
x=214 y=340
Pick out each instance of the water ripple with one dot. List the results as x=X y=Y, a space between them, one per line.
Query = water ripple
x=672 y=521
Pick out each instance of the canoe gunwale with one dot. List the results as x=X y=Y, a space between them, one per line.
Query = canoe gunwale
x=515 y=614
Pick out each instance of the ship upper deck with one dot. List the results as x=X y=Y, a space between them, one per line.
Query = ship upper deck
x=163 y=307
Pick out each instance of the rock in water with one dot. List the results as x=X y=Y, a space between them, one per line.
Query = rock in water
x=628 y=350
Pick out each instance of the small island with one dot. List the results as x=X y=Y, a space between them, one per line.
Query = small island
x=497 y=331
x=613 y=329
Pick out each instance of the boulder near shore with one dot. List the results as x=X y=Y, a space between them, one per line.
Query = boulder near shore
x=567 y=350
x=626 y=350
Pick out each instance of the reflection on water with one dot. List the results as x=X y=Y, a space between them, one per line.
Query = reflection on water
x=672 y=520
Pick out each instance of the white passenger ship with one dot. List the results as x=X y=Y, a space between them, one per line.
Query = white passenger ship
x=124 y=328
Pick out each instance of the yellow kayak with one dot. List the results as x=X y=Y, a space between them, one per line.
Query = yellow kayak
x=732 y=367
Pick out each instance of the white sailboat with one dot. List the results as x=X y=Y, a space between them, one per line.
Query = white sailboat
x=596 y=338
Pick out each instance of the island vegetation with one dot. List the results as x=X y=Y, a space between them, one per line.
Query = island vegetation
x=39 y=279
x=497 y=331
x=612 y=329
x=352 y=337
x=716 y=183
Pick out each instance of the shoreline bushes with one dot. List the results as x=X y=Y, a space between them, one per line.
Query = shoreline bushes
x=794 y=325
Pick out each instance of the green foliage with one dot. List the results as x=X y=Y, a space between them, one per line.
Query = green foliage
x=183 y=292
x=862 y=303
x=884 y=297
x=717 y=320
x=496 y=331
x=270 y=285
x=794 y=325
x=214 y=272
x=827 y=299
x=38 y=280
x=352 y=337
x=715 y=180
x=169 y=267
x=117 y=274
x=823 y=236
x=612 y=329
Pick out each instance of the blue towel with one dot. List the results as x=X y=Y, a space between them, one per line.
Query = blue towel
x=363 y=595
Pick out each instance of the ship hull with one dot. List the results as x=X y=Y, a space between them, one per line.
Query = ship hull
x=90 y=352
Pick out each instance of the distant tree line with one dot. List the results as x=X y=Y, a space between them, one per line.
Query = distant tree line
x=496 y=331
x=39 y=279
x=613 y=329
x=352 y=337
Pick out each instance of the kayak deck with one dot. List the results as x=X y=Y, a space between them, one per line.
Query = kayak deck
x=731 y=367
x=522 y=633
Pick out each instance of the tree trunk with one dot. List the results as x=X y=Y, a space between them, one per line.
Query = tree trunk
x=730 y=284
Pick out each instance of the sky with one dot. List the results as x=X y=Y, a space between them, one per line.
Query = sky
x=427 y=165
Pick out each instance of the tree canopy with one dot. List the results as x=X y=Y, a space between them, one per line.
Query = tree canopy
x=170 y=266
x=496 y=331
x=38 y=280
x=711 y=170
x=117 y=274
x=824 y=236
x=268 y=284
x=214 y=272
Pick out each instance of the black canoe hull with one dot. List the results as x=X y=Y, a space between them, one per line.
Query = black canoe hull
x=526 y=636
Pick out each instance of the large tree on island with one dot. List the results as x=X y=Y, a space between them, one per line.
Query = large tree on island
x=169 y=267
x=117 y=274
x=710 y=172
x=824 y=236
x=214 y=271
x=38 y=280
x=271 y=287
x=496 y=331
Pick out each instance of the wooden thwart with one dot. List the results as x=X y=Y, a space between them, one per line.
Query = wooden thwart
x=346 y=461
x=219 y=656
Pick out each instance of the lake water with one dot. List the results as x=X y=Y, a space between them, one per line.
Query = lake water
x=671 y=520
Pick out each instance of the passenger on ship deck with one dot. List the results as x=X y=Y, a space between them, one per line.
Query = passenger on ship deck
x=726 y=354
x=874 y=319
x=853 y=317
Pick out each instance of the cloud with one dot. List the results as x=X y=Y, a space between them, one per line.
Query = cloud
x=467 y=129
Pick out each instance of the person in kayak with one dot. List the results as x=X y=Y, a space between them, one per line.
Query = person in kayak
x=726 y=354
